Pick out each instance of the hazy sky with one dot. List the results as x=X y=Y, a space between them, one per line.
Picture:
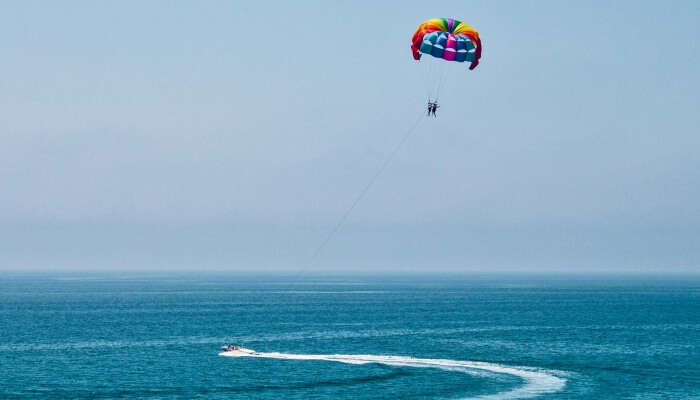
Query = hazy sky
x=233 y=135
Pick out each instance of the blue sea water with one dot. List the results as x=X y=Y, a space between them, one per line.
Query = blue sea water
x=137 y=336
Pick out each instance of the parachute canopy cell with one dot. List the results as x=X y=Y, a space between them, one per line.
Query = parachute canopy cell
x=448 y=39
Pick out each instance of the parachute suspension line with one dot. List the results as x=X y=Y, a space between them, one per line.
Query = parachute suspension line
x=442 y=79
x=434 y=72
x=434 y=75
x=428 y=73
x=363 y=192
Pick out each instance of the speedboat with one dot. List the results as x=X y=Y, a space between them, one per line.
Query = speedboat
x=241 y=349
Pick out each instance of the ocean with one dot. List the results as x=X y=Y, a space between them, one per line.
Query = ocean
x=158 y=336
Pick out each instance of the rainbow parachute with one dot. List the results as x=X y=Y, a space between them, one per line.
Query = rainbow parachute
x=448 y=39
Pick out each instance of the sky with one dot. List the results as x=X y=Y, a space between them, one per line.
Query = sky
x=234 y=135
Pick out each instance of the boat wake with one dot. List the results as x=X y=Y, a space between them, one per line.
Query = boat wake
x=536 y=381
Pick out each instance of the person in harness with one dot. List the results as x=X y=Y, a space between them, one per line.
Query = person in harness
x=434 y=109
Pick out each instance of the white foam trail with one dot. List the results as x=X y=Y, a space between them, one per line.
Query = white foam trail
x=537 y=382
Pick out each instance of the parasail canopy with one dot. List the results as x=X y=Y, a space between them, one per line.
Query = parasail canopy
x=448 y=39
